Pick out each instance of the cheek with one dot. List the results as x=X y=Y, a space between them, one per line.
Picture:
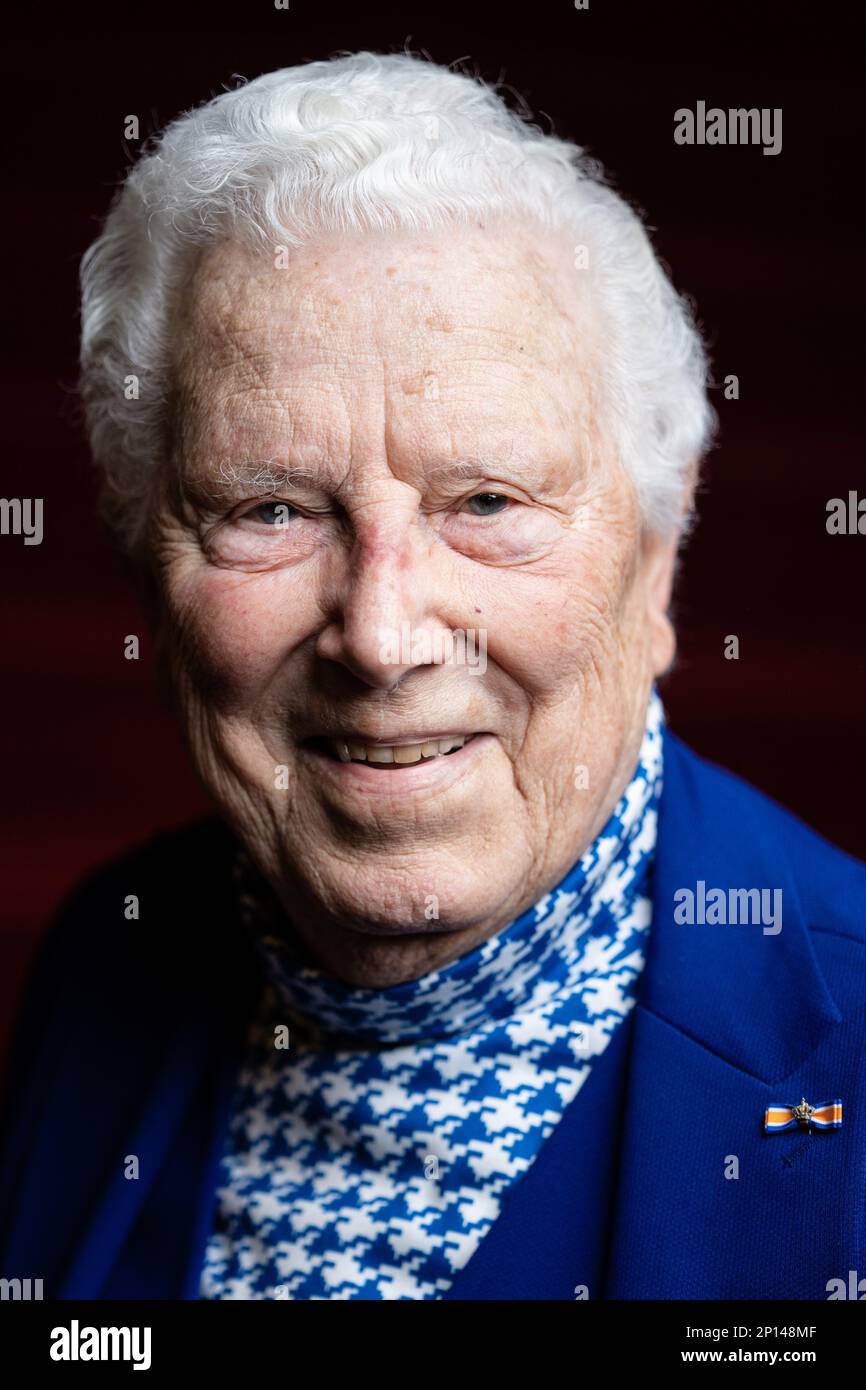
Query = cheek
x=230 y=634
x=549 y=626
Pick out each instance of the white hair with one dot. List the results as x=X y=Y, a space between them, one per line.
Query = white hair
x=372 y=142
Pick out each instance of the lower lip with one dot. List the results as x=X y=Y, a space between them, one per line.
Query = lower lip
x=431 y=774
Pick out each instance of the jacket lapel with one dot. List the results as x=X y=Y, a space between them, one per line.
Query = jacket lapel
x=729 y=1020
x=146 y=1237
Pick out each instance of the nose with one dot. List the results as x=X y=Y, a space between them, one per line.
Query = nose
x=382 y=623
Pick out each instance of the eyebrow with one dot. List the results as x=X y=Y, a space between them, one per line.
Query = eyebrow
x=537 y=473
x=257 y=475
x=464 y=470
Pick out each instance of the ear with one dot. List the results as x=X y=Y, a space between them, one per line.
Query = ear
x=660 y=565
x=659 y=559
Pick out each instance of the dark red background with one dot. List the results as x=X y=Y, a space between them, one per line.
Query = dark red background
x=768 y=247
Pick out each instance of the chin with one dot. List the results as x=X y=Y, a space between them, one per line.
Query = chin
x=447 y=894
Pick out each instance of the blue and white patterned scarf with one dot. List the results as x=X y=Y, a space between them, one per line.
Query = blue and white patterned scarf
x=371 y=1158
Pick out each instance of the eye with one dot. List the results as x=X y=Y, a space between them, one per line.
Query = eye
x=489 y=503
x=272 y=513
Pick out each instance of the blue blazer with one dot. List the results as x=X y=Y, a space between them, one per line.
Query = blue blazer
x=131 y=1033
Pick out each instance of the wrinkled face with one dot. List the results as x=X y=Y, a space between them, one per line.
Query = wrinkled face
x=393 y=525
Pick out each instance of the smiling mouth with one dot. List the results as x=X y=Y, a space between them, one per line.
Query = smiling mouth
x=389 y=756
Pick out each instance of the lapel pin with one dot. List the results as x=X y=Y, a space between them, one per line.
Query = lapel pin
x=825 y=1116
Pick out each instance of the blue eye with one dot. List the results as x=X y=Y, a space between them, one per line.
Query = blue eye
x=485 y=499
x=273 y=513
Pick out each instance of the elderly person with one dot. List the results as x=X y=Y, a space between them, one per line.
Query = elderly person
x=479 y=984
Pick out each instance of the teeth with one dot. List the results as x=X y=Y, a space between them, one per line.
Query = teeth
x=347 y=750
x=410 y=754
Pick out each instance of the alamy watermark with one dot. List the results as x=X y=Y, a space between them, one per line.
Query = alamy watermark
x=22 y=516
x=736 y=126
x=846 y=517
x=20 y=1290
x=418 y=647
x=854 y=1289
x=729 y=907
x=77 y=1343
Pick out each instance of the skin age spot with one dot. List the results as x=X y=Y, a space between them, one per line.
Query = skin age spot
x=415 y=386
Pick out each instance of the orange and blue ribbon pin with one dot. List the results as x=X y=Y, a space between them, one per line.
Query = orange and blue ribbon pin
x=825 y=1116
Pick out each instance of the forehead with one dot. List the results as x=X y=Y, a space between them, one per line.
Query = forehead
x=442 y=340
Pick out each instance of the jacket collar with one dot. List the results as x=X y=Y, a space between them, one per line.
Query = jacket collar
x=758 y=1000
